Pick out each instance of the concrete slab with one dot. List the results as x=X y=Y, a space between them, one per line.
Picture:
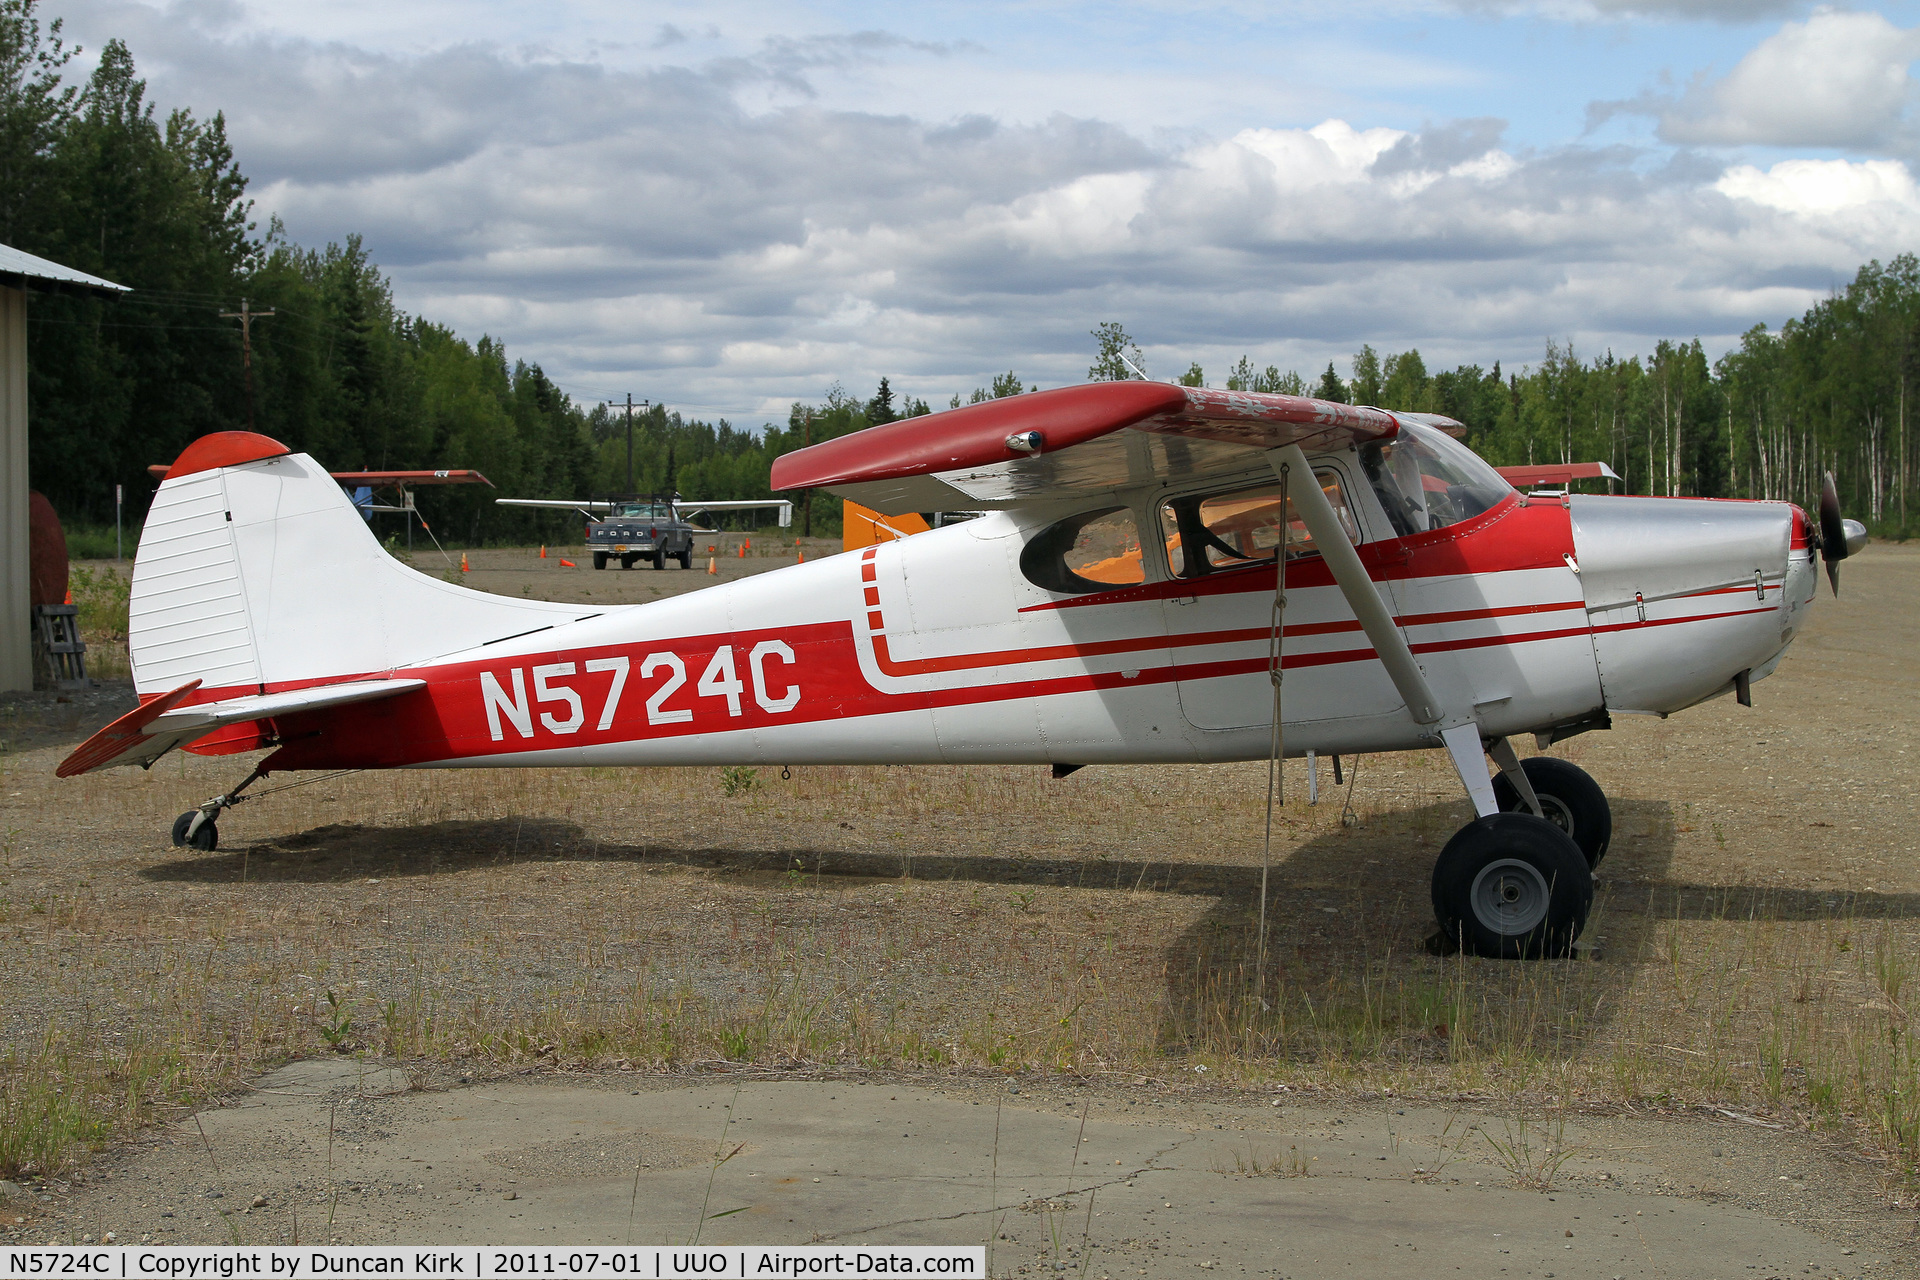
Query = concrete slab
x=1100 y=1186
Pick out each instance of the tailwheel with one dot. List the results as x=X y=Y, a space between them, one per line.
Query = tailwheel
x=1512 y=886
x=195 y=828
x=205 y=837
x=1569 y=798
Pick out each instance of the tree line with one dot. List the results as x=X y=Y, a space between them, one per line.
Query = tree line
x=91 y=177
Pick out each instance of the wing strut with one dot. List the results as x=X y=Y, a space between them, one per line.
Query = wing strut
x=1331 y=540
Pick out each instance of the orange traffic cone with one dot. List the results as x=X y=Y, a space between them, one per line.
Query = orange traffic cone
x=802 y=559
x=569 y=564
x=543 y=551
x=712 y=567
x=743 y=551
x=463 y=562
x=747 y=545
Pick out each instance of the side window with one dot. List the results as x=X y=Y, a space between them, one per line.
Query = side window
x=1229 y=530
x=1092 y=551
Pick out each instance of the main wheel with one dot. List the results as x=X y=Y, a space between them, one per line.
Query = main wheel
x=659 y=557
x=206 y=839
x=1569 y=798
x=599 y=559
x=1512 y=886
x=686 y=558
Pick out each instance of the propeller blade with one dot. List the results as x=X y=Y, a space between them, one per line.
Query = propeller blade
x=1833 y=531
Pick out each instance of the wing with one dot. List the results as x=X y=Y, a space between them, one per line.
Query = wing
x=587 y=509
x=154 y=728
x=1556 y=473
x=1072 y=441
x=410 y=479
x=687 y=510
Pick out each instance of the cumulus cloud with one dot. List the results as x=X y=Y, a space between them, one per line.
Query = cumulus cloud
x=1836 y=80
x=671 y=230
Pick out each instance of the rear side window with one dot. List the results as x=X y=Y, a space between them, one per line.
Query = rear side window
x=1220 y=531
x=1092 y=551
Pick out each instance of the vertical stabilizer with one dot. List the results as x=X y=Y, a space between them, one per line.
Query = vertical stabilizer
x=256 y=573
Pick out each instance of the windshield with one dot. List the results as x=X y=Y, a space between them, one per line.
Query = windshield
x=1427 y=480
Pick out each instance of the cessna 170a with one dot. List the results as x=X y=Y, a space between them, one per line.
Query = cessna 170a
x=1118 y=603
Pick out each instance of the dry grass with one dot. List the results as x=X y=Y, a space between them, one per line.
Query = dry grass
x=450 y=930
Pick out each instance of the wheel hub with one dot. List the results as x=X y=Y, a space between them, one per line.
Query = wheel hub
x=1510 y=896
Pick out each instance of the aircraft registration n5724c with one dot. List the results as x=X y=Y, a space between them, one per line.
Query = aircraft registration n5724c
x=1117 y=603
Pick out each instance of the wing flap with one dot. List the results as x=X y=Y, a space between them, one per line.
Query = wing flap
x=159 y=725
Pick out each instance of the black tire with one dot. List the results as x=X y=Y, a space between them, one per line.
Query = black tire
x=599 y=559
x=660 y=558
x=686 y=558
x=206 y=839
x=1570 y=799
x=626 y=562
x=1512 y=886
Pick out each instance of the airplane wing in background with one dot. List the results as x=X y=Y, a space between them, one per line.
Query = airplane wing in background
x=591 y=510
x=1556 y=474
x=1072 y=441
x=687 y=510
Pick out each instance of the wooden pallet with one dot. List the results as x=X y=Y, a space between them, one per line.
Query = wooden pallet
x=59 y=652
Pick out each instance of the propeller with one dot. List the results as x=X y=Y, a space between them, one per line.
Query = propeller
x=1839 y=538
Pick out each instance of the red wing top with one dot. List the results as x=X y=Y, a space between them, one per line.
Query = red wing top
x=1070 y=441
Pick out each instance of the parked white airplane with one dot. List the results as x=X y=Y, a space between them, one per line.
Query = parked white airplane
x=1117 y=604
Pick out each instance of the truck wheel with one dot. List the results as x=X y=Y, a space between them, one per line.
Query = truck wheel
x=686 y=558
x=599 y=559
x=660 y=558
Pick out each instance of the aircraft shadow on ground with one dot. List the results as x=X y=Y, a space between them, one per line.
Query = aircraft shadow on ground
x=1368 y=876
x=1346 y=902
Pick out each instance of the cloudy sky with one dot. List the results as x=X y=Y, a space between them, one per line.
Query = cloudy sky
x=727 y=205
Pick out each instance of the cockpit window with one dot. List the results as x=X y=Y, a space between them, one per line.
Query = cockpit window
x=1243 y=527
x=1428 y=480
x=1092 y=551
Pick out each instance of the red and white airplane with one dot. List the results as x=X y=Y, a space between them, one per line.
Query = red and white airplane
x=1117 y=604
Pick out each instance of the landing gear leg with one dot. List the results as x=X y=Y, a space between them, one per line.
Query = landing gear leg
x=1510 y=885
x=196 y=829
x=1514 y=776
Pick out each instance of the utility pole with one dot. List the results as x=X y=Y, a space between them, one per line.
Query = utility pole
x=806 y=438
x=615 y=404
x=246 y=316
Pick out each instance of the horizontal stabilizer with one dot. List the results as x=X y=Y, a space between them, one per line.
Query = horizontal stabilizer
x=154 y=728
